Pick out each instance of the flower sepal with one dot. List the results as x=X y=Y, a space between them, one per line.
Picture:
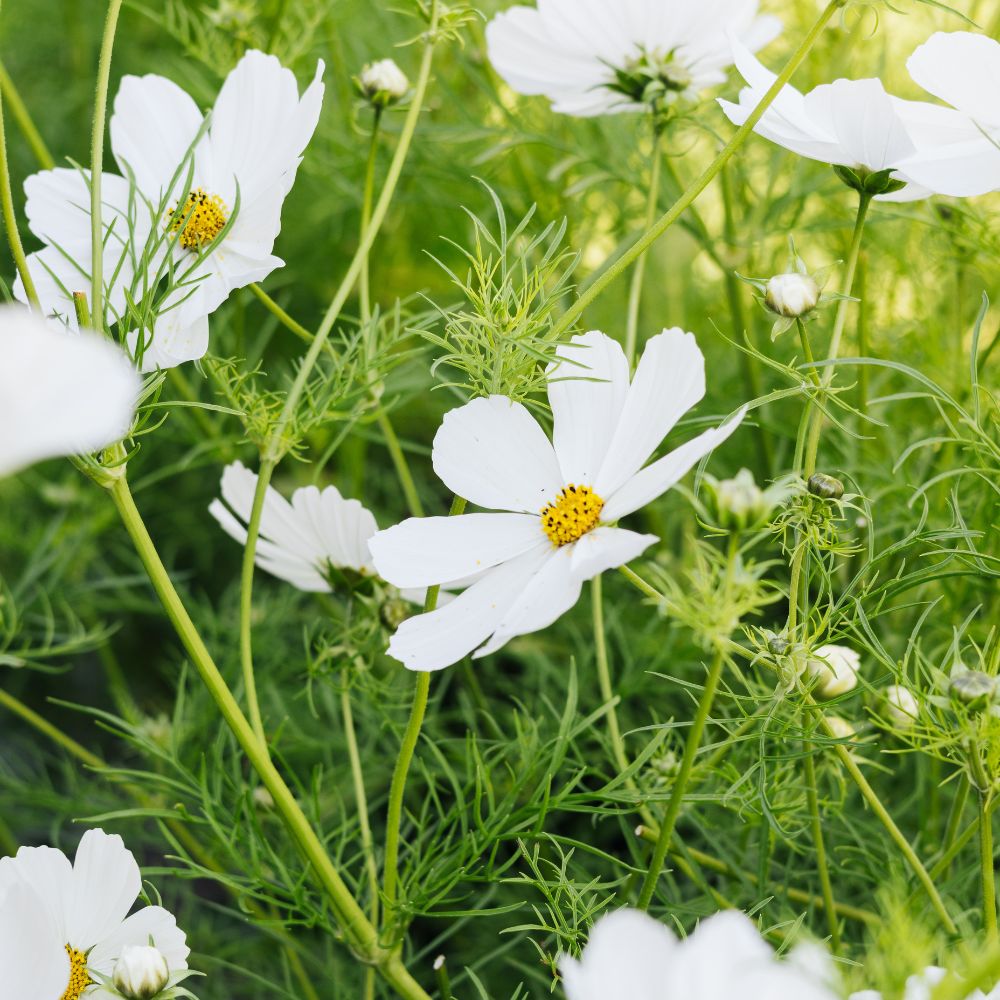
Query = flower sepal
x=104 y=987
x=869 y=183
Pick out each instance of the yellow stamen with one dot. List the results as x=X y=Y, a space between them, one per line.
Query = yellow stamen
x=572 y=514
x=199 y=220
x=79 y=980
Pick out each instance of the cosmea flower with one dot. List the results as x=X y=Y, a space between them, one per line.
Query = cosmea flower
x=201 y=203
x=921 y=987
x=62 y=922
x=60 y=393
x=562 y=499
x=631 y=956
x=962 y=69
x=595 y=57
x=847 y=123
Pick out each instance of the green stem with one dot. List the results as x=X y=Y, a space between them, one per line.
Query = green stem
x=987 y=874
x=812 y=794
x=955 y=820
x=644 y=242
x=691 y=748
x=277 y=437
x=639 y=273
x=358 y=930
x=20 y=112
x=394 y=813
x=246 y=600
x=364 y=286
x=10 y=219
x=399 y=462
x=297 y=328
x=46 y=728
x=840 y=323
x=97 y=165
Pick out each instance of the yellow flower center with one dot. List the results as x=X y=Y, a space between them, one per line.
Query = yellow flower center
x=201 y=218
x=79 y=980
x=572 y=514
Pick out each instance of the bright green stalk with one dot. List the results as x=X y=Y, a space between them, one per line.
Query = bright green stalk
x=639 y=273
x=21 y=115
x=955 y=821
x=46 y=728
x=297 y=328
x=10 y=219
x=402 y=467
x=829 y=904
x=97 y=165
x=644 y=242
x=358 y=930
x=394 y=813
x=246 y=600
x=987 y=874
x=364 y=287
x=691 y=747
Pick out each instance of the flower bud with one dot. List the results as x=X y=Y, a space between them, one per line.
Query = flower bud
x=140 y=972
x=825 y=487
x=835 y=670
x=383 y=82
x=840 y=728
x=901 y=706
x=262 y=798
x=973 y=687
x=792 y=295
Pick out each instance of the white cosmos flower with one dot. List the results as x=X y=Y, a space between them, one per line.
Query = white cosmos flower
x=60 y=393
x=849 y=123
x=60 y=921
x=631 y=956
x=572 y=51
x=562 y=499
x=962 y=69
x=921 y=987
x=247 y=150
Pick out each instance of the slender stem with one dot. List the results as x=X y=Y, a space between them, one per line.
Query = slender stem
x=246 y=600
x=812 y=795
x=644 y=242
x=10 y=218
x=798 y=557
x=46 y=728
x=691 y=748
x=297 y=328
x=955 y=821
x=639 y=272
x=378 y=217
x=23 y=118
x=394 y=813
x=816 y=413
x=987 y=872
x=97 y=165
x=399 y=462
x=360 y=933
x=364 y=287
x=863 y=346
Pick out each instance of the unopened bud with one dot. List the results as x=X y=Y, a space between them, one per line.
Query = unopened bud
x=840 y=729
x=383 y=82
x=738 y=504
x=262 y=798
x=973 y=687
x=901 y=706
x=835 y=669
x=825 y=487
x=140 y=972
x=792 y=295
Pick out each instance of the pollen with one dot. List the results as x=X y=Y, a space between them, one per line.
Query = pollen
x=79 y=979
x=199 y=220
x=572 y=514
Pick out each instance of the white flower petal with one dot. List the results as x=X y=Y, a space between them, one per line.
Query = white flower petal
x=151 y=922
x=587 y=391
x=60 y=393
x=33 y=961
x=171 y=344
x=657 y=478
x=628 y=957
x=961 y=170
x=436 y=640
x=607 y=548
x=58 y=206
x=962 y=69
x=49 y=875
x=493 y=453
x=424 y=551
x=670 y=379
x=106 y=882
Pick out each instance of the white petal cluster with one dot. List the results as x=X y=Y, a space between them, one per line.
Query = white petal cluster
x=835 y=670
x=850 y=123
x=384 y=77
x=60 y=393
x=244 y=155
x=494 y=453
x=51 y=907
x=631 y=956
x=570 y=50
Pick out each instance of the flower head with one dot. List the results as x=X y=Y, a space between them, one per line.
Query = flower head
x=561 y=500
x=60 y=393
x=835 y=670
x=383 y=83
x=852 y=124
x=631 y=956
x=140 y=972
x=590 y=57
x=63 y=924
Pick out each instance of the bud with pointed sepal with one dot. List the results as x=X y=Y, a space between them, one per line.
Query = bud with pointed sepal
x=141 y=972
x=382 y=83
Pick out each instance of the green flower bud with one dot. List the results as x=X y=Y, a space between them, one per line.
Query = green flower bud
x=825 y=487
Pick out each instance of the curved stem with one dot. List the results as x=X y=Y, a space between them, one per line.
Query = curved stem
x=297 y=328
x=826 y=886
x=10 y=219
x=394 y=813
x=639 y=272
x=691 y=747
x=24 y=121
x=988 y=875
x=364 y=289
x=399 y=462
x=358 y=930
x=97 y=165
x=644 y=242
x=246 y=600
x=816 y=412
